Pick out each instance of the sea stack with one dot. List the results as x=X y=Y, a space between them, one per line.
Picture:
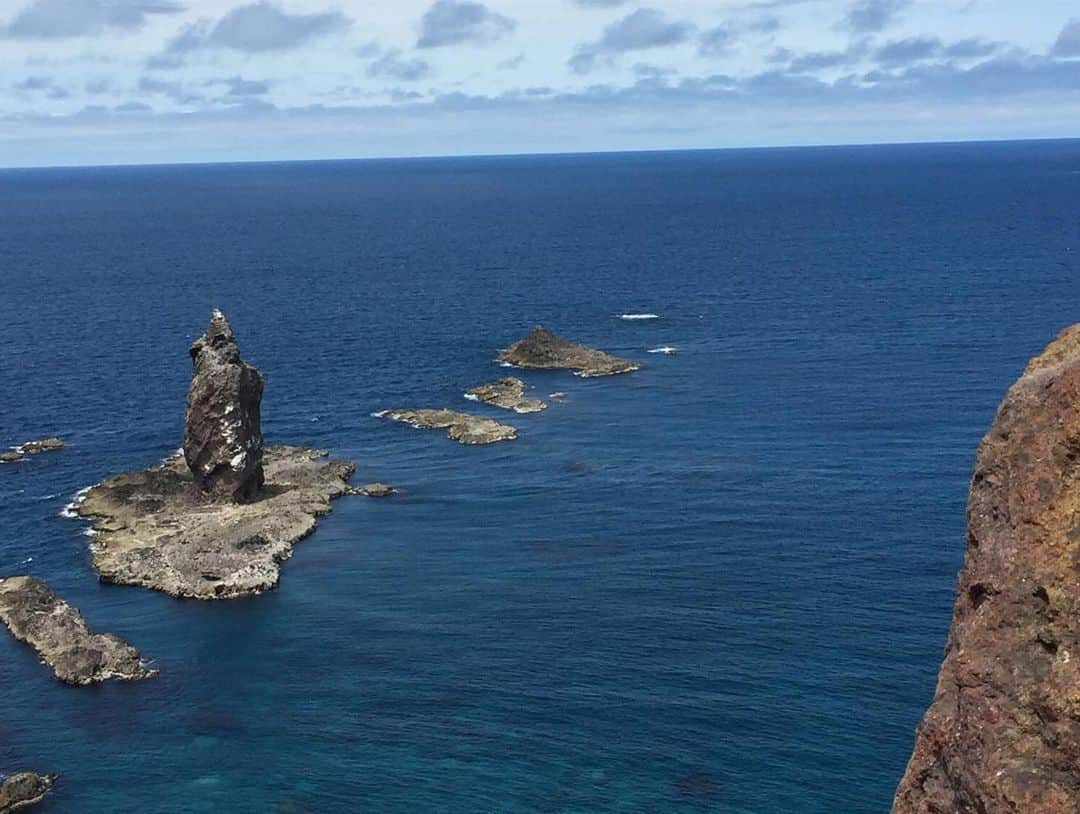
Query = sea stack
x=223 y=443
x=1003 y=731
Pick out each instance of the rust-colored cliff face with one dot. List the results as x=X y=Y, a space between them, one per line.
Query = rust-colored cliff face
x=1003 y=731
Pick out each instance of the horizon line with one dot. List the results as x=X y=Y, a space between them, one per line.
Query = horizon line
x=551 y=154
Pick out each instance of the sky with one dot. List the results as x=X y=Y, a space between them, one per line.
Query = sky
x=160 y=81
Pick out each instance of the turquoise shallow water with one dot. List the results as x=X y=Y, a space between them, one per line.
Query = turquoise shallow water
x=719 y=584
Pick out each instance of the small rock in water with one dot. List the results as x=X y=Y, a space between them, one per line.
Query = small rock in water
x=508 y=393
x=24 y=789
x=37 y=616
x=558 y=395
x=377 y=490
x=460 y=427
x=543 y=350
x=44 y=445
x=10 y=457
x=223 y=442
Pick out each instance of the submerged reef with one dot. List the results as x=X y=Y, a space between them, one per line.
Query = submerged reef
x=1003 y=731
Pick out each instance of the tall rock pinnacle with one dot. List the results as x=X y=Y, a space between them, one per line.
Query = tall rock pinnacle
x=223 y=443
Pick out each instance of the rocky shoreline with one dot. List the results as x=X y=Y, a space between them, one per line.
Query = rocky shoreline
x=24 y=789
x=156 y=529
x=36 y=616
x=1003 y=731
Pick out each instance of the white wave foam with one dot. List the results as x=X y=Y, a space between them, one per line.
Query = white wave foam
x=506 y=364
x=380 y=414
x=69 y=510
x=472 y=397
x=667 y=350
x=633 y=317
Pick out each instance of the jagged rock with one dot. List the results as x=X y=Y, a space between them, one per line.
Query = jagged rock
x=223 y=443
x=24 y=789
x=508 y=393
x=44 y=445
x=37 y=616
x=10 y=457
x=544 y=350
x=153 y=529
x=460 y=427
x=1003 y=731
x=377 y=490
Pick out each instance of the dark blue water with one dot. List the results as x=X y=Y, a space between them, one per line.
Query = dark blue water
x=720 y=584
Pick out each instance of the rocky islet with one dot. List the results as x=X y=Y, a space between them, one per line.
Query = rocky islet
x=543 y=350
x=466 y=429
x=507 y=394
x=21 y=790
x=35 y=615
x=19 y=453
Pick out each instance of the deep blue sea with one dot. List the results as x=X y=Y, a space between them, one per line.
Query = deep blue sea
x=720 y=584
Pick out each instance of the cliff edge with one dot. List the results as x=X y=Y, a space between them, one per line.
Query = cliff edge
x=1003 y=731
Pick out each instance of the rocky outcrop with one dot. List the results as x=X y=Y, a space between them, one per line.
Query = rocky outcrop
x=153 y=529
x=508 y=394
x=23 y=790
x=16 y=454
x=376 y=490
x=461 y=427
x=542 y=349
x=1003 y=731
x=223 y=443
x=37 y=616
x=44 y=445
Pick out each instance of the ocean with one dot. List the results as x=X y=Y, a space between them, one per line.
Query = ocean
x=719 y=584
